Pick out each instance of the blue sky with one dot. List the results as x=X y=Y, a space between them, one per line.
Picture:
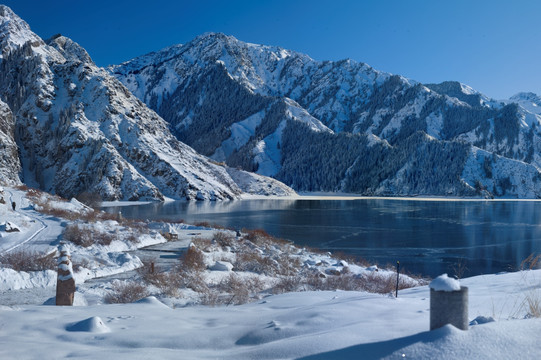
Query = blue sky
x=493 y=46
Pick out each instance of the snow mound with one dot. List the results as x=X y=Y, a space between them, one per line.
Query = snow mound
x=445 y=283
x=93 y=325
x=152 y=300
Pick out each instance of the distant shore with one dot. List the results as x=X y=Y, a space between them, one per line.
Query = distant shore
x=333 y=196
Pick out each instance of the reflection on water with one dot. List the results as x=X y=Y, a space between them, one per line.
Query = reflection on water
x=427 y=237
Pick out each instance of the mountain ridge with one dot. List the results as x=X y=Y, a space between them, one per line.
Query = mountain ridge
x=218 y=82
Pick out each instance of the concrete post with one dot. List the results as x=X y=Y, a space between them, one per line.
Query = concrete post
x=65 y=283
x=449 y=307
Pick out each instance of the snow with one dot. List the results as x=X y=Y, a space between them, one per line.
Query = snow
x=445 y=283
x=312 y=325
x=306 y=325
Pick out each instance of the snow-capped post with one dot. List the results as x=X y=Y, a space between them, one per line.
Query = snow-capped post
x=65 y=284
x=397 y=276
x=448 y=303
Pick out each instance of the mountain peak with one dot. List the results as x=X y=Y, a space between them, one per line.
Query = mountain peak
x=14 y=31
x=69 y=48
x=527 y=96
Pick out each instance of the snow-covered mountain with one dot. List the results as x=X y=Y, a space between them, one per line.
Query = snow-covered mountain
x=338 y=125
x=80 y=130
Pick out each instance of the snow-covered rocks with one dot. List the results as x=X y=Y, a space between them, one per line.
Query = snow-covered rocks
x=221 y=266
x=10 y=227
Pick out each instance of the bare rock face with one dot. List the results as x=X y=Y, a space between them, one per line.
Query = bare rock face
x=10 y=165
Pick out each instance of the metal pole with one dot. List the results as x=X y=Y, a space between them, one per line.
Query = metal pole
x=397 y=275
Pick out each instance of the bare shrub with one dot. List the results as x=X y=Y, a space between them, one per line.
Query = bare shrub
x=240 y=290
x=288 y=265
x=237 y=289
x=192 y=279
x=212 y=298
x=258 y=236
x=287 y=284
x=77 y=235
x=24 y=260
x=193 y=259
x=126 y=292
x=224 y=239
x=167 y=282
x=253 y=261
x=202 y=243
x=85 y=237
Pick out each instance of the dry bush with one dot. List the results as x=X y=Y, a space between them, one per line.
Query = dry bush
x=202 y=243
x=237 y=289
x=24 y=260
x=193 y=259
x=192 y=279
x=77 y=235
x=167 y=282
x=126 y=292
x=86 y=237
x=212 y=298
x=253 y=261
x=288 y=284
x=288 y=265
x=224 y=239
x=240 y=290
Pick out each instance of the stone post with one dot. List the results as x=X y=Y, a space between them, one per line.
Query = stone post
x=449 y=307
x=65 y=284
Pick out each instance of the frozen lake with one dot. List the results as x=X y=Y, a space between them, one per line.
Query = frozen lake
x=427 y=237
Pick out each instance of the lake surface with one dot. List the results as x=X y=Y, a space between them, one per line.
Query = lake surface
x=427 y=237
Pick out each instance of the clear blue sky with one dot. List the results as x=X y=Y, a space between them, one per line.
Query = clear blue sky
x=493 y=46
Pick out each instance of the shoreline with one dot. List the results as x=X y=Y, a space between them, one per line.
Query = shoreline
x=325 y=196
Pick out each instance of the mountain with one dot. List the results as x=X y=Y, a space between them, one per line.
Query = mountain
x=338 y=125
x=78 y=129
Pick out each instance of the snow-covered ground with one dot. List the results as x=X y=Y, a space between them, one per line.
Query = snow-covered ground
x=310 y=324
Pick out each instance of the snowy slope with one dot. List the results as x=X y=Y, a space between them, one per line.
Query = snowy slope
x=311 y=325
x=231 y=100
x=80 y=130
